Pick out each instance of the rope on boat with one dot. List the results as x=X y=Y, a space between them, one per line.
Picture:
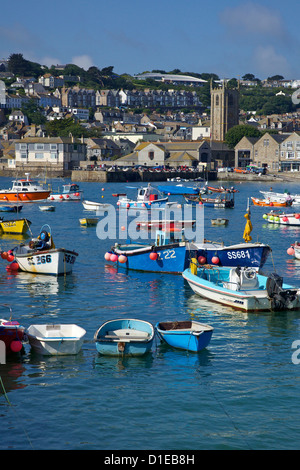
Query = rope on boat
x=9 y=403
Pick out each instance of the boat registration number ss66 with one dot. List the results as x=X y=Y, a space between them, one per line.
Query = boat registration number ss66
x=238 y=254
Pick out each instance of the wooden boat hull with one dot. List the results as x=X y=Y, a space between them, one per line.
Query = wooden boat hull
x=7 y=196
x=56 y=340
x=188 y=335
x=54 y=261
x=19 y=226
x=65 y=197
x=211 y=286
x=124 y=337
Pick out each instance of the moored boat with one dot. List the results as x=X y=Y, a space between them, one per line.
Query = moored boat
x=167 y=254
x=56 y=339
x=11 y=335
x=94 y=206
x=24 y=190
x=219 y=221
x=124 y=337
x=242 y=288
x=188 y=335
x=270 y=202
x=10 y=208
x=40 y=256
x=146 y=197
x=225 y=200
x=281 y=196
x=47 y=208
x=70 y=192
x=18 y=226
x=87 y=221
x=282 y=218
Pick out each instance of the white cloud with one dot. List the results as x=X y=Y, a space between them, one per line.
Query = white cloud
x=83 y=61
x=253 y=18
x=269 y=62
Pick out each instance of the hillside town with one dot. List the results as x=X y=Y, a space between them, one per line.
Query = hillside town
x=184 y=134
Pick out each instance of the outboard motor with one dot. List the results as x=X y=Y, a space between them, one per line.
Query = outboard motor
x=280 y=298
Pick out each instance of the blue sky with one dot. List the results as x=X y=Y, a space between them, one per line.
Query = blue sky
x=227 y=38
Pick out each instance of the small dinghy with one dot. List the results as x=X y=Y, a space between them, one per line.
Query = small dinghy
x=126 y=336
x=87 y=222
x=47 y=208
x=219 y=221
x=94 y=206
x=188 y=335
x=55 y=340
x=18 y=226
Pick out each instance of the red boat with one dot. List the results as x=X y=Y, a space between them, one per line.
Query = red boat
x=24 y=190
x=12 y=335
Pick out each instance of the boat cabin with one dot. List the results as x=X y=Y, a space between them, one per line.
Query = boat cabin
x=70 y=188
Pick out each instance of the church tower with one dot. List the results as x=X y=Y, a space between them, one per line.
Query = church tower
x=224 y=111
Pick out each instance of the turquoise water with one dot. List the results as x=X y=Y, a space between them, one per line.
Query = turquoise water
x=242 y=392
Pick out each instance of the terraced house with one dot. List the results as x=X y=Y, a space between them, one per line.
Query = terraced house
x=274 y=151
x=56 y=153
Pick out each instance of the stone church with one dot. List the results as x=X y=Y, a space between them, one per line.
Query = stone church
x=224 y=116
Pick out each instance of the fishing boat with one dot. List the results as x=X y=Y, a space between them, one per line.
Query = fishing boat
x=270 y=203
x=18 y=226
x=166 y=254
x=221 y=189
x=124 y=337
x=224 y=201
x=86 y=222
x=146 y=197
x=188 y=335
x=70 y=192
x=55 y=340
x=244 y=254
x=11 y=334
x=41 y=257
x=171 y=225
x=10 y=208
x=24 y=190
x=242 y=288
x=94 y=206
x=279 y=196
x=47 y=208
x=282 y=218
x=219 y=221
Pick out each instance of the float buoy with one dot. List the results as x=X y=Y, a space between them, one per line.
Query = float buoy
x=153 y=256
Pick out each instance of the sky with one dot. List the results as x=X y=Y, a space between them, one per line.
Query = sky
x=229 y=38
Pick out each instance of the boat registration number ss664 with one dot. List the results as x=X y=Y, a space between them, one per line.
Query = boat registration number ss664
x=238 y=254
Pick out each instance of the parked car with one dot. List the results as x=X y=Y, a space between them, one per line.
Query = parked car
x=240 y=170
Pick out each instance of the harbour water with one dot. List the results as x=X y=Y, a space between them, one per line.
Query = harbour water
x=242 y=392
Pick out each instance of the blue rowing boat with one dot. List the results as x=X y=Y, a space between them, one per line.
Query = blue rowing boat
x=188 y=335
x=124 y=336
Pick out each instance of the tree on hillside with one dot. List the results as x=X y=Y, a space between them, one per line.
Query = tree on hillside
x=236 y=133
